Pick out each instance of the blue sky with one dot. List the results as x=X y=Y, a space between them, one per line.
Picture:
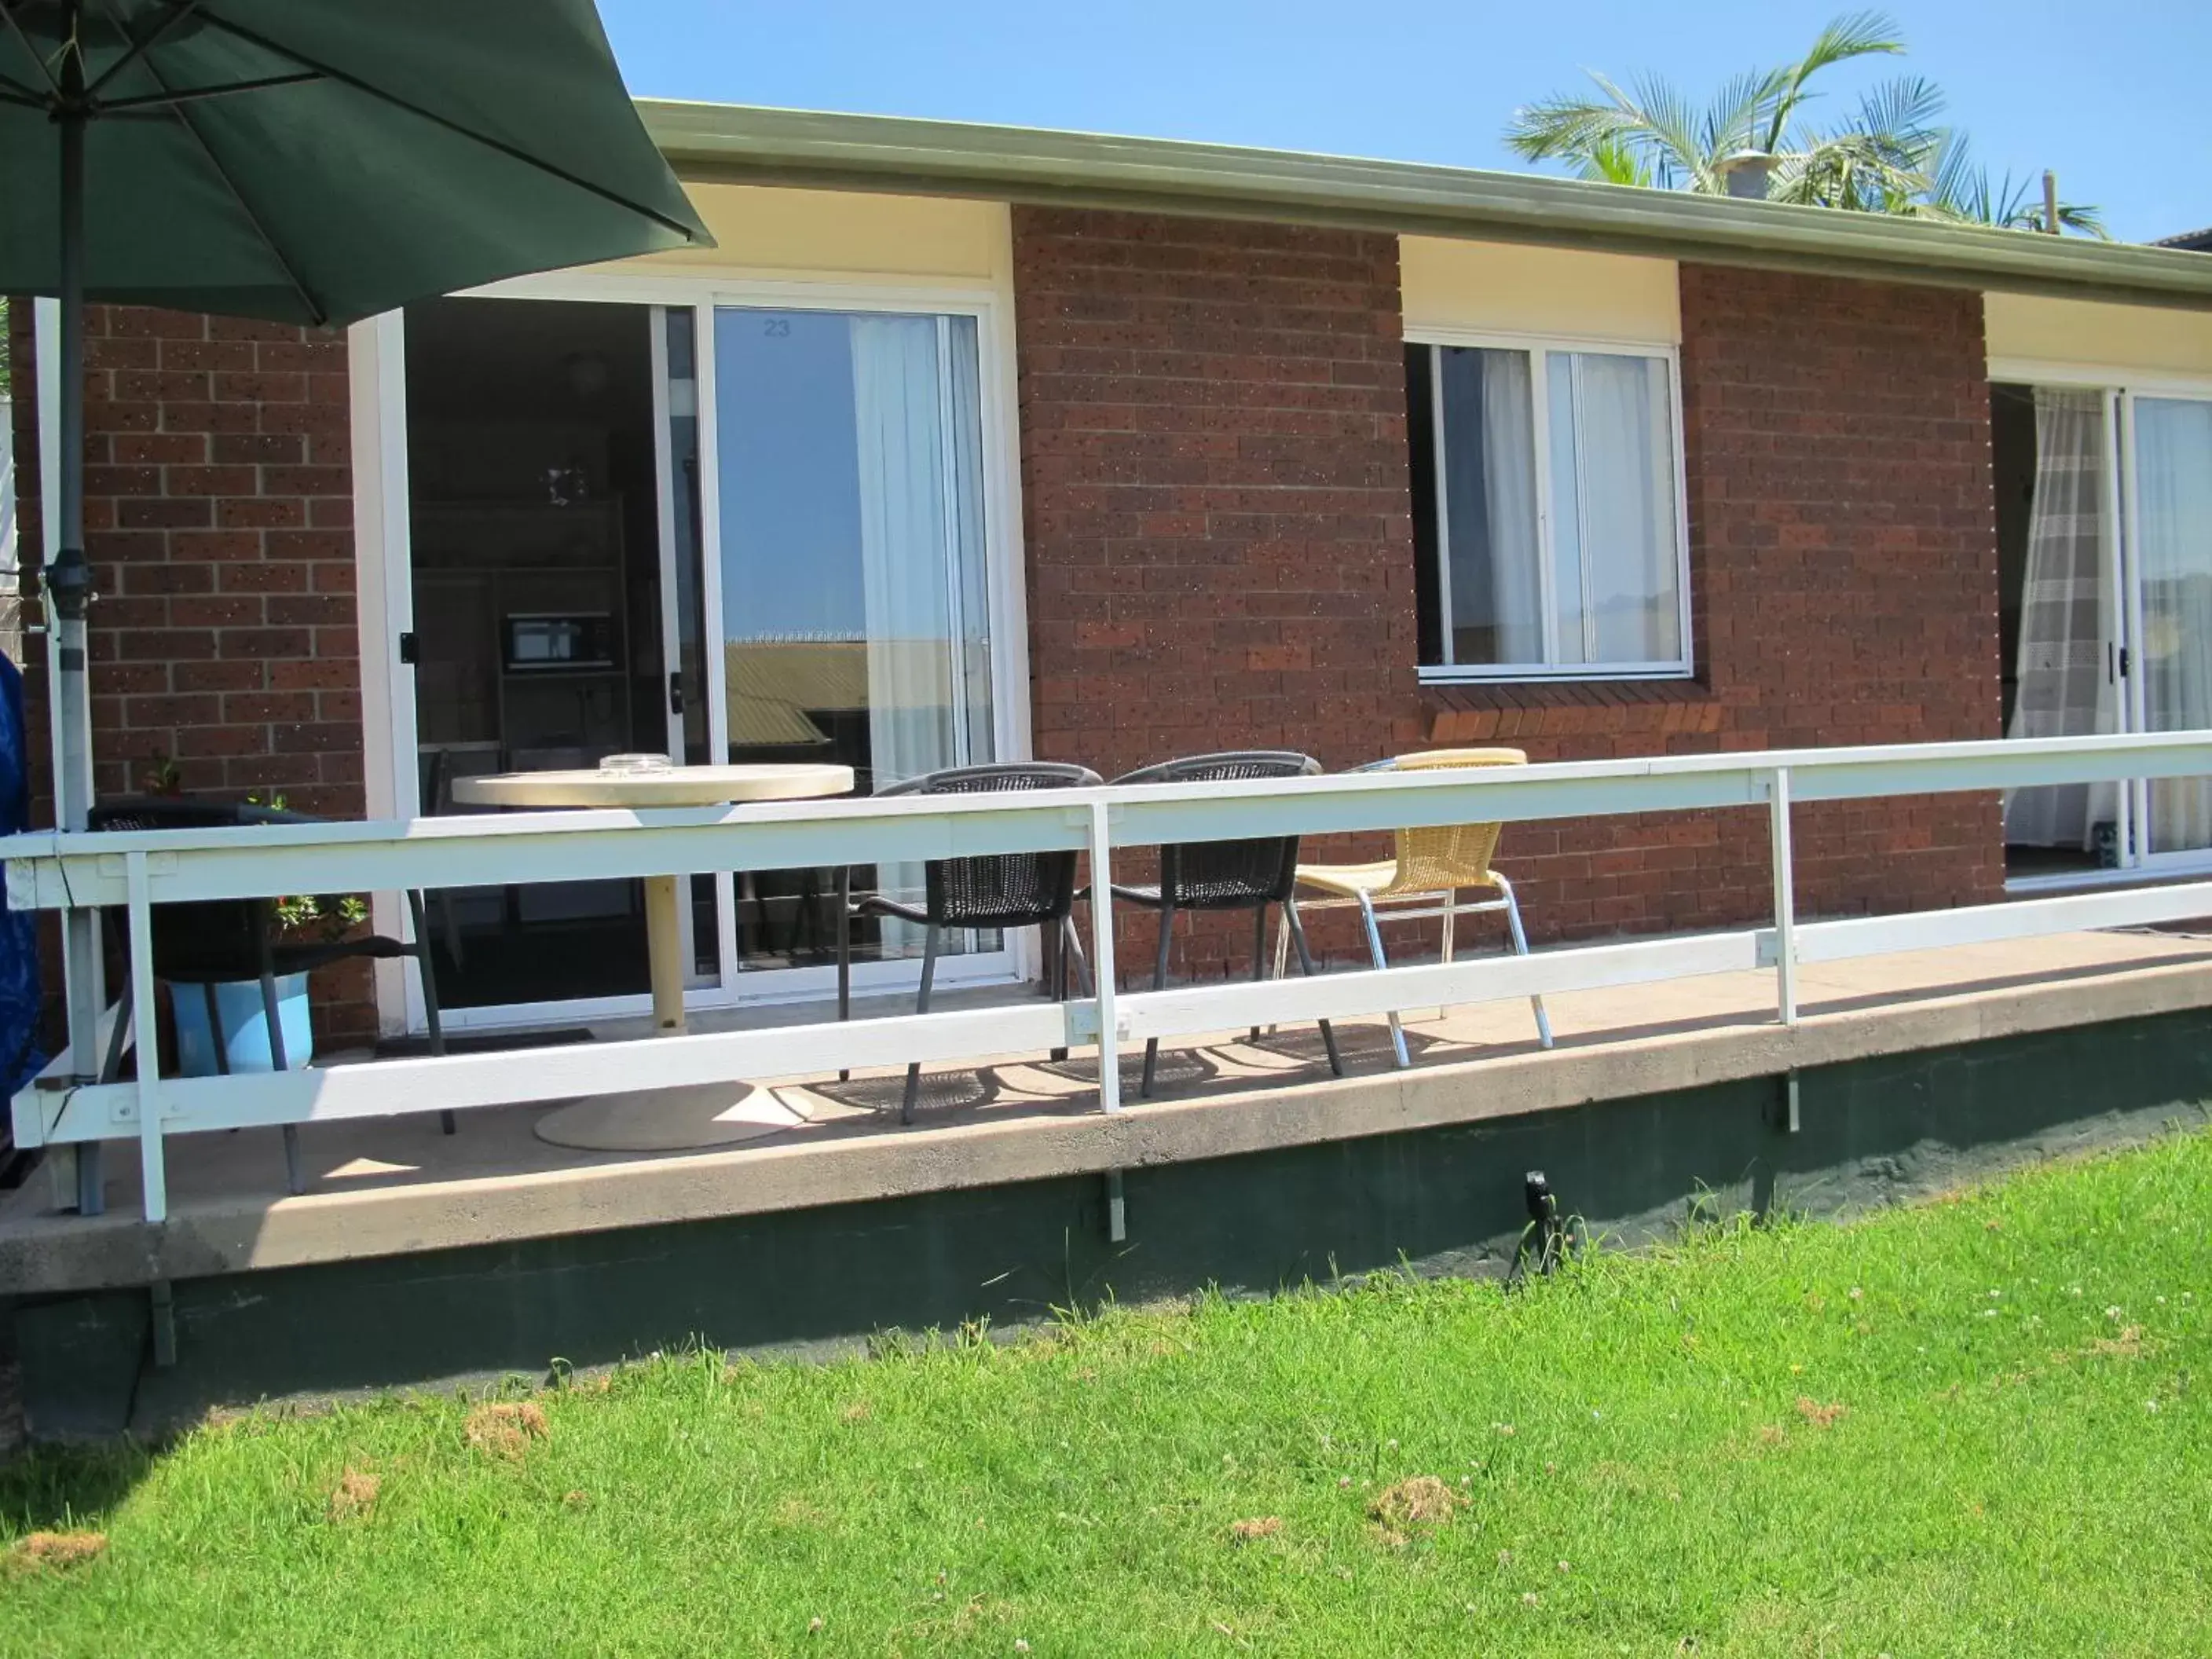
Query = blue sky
x=2110 y=94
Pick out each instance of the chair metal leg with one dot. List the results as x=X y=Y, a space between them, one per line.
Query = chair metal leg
x=920 y=1006
x=91 y=1178
x=1071 y=946
x=1521 y=948
x=110 y=1065
x=1282 y=958
x=1054 y=943
x=1259 y=952
x=295 y=1178
x=215 y=1028
x=428 y=975
x=450 y=925
x=806 y=921
x=1159 y=984
x=1375 y=949
x=844 y=953
x=1298 y=932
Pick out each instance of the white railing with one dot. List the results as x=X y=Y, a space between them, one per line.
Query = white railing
x=137 y=871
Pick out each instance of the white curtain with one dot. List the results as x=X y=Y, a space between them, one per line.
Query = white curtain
x=912 y=699
x=971 y=629
x=1614 y=499
x=2065 y=687
x=2173 y=476
x=1508 y=456
x=1490 y=502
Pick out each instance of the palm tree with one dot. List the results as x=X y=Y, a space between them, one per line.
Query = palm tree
x=1961 y=190
x=1891 y=154
x=1651 y=134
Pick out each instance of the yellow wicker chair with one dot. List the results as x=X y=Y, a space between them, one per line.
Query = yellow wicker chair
x=1432 y=866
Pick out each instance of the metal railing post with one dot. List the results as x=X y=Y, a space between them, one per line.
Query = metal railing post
x=146 y=1039
x=1102 y=960
x=1785 y=897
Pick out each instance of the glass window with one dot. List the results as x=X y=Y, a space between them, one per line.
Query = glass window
x=1544 y=515
x=2173 y=489
x=855 y=613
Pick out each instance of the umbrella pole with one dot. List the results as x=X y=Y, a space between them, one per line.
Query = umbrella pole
x=69 y=585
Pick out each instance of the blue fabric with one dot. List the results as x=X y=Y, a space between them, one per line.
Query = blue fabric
x=20 y=1058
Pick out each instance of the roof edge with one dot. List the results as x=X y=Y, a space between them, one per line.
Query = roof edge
x=742 y=144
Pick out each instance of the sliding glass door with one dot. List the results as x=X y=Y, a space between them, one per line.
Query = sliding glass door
x=2105 y=557
x=536 y=576
x=728 y=533
x=851 y=581
x=2171 y=521
x=2062 y=610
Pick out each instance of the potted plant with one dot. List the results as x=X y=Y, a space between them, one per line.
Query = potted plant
x=239 y=1020
x=304 y=919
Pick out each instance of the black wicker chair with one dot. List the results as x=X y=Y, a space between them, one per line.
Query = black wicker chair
x=1227 y=875
x=212 y=942
x=1000 y=891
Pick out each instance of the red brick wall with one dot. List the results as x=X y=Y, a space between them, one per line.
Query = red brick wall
x=1214 y=474
x=1219 y=541
x=218 y=519
x=1221 y=551
x=1843 y=553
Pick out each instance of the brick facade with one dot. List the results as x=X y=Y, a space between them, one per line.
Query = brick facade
x=1220 y=552
x=1219 y=534
x=1842 y=567
x=218 y=519
x=1218 y=530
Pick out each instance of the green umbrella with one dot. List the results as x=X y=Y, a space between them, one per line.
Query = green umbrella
x=310 y=161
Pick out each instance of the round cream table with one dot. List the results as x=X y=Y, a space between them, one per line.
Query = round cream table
x=667 y=1120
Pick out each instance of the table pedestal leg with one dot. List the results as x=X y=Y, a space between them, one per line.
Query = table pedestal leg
x=663 y=944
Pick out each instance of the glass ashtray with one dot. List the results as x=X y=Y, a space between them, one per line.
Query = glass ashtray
x=635 y=763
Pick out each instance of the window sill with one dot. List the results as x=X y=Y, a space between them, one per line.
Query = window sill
x=1637 y=712
x=1563 y=693
x=1430 y=677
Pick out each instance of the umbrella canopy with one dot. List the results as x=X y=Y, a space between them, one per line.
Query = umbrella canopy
x=310 y=161
x=321 y=160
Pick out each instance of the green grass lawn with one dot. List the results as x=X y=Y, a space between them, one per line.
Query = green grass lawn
x=1975 y=1427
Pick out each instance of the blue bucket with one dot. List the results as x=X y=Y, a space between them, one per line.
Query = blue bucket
x=245 y=1026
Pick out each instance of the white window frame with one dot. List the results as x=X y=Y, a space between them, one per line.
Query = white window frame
x=382 y=534
x=1537 y=346
x=2121 y=386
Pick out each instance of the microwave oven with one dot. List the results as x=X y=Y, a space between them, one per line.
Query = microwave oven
x=535 y=641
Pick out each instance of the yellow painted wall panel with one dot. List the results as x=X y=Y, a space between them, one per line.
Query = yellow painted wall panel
x=1505 y=288
x=846 y=233
x=2027 y=328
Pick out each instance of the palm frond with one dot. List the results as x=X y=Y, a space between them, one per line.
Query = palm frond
x=1854 y=171
x=1681 y=153
x=1953 y=176
x=1559 y=127
x=1611 y=161
x=1891 y=154
x=2085 y=218
x=1855 y=34
x=1735 y=118
x=1652 y=126
x=1902 y=113
x=1961 y=191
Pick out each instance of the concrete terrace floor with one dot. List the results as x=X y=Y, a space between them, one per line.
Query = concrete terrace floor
x=388 y=1187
